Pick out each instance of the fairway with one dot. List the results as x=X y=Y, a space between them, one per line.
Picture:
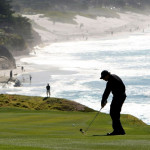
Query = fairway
x=59 y=130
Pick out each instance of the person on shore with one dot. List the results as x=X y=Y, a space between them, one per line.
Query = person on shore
x=11 y=74
x=117 y=87
x=30 y=78
x=48 y=90
x=22 y=68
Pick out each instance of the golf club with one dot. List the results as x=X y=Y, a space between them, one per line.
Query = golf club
x=82 y=131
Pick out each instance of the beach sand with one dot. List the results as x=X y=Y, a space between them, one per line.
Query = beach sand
x=90 y=29
x=85 y=29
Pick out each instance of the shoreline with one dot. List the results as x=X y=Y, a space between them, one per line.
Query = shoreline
x=86 y=29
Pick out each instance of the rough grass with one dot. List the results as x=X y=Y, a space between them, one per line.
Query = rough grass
x=32 y=129
x=40 y=103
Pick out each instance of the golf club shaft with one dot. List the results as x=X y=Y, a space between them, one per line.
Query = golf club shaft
x=93 y=120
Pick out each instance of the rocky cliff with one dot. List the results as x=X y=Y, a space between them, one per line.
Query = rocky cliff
x=7 y=61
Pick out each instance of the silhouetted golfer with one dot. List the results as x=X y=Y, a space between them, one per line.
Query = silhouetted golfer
x=117 y=87
x=48 y=90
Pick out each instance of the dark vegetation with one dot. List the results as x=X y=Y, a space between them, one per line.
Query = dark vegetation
x=16 y=33
x=77 y=5
x=66 y=10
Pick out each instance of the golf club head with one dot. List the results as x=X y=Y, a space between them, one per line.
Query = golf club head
x=81 y=130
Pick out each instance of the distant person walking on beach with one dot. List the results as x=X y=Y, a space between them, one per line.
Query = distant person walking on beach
x=48 y=90
x=30 y=78
x=117 y=87
x=11 y=74
x=22 y=68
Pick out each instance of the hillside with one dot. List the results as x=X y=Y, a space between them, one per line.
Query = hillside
x=40 y=103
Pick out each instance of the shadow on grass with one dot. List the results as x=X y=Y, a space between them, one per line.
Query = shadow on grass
x=45 y=98
x=100 y=135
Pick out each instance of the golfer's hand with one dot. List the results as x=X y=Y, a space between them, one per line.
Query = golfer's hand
x=103 y=104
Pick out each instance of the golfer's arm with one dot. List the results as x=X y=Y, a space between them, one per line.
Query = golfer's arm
x=105 y=94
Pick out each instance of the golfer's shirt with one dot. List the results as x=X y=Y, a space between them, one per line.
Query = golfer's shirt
x=114 y=85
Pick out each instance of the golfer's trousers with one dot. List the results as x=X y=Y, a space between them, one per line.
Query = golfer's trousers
x=115 y=109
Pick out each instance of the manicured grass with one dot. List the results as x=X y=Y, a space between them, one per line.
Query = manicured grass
x=59 y=130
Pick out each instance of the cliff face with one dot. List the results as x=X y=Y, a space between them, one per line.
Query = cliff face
x=7 y=61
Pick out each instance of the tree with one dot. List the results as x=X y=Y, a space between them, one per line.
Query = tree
x=5 y=9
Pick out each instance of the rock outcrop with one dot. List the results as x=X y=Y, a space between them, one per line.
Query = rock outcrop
x=7 y=61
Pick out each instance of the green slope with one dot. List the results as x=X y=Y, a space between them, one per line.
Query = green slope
x=24 y=129
x=40 y=103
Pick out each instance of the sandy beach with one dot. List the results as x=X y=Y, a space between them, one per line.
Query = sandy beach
x=90 y=29
x=86 y=29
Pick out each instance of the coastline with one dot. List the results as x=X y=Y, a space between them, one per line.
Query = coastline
x=86 y=29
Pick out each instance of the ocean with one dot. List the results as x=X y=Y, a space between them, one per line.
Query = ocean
x=73 y=70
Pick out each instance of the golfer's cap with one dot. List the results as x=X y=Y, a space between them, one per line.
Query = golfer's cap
x=104 y=73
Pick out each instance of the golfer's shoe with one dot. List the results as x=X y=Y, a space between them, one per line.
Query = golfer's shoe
x=116 y=133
